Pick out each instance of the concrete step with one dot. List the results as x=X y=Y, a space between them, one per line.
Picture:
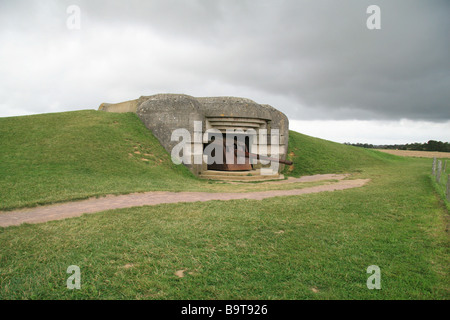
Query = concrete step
x=234 y=177
x=231 y=173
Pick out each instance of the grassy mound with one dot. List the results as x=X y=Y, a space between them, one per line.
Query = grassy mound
x=70 y=155
x=313 y=155
x=315 y=246
x=65 y=156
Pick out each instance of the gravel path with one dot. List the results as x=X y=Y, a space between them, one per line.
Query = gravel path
x=92 y=205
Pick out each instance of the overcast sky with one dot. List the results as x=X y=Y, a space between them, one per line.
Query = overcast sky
x=316 y=61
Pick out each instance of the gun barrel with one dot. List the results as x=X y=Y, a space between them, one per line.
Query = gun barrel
x=260 y=157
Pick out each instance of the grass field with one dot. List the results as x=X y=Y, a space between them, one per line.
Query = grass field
x=74 y=155
x=315 y=246
x=417 y=154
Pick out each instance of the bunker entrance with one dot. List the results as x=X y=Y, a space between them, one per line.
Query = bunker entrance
x=233 y=153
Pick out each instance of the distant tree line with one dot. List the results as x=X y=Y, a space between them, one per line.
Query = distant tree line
x=431 y=145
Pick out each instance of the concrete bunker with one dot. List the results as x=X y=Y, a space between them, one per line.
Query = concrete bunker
x=246 y=119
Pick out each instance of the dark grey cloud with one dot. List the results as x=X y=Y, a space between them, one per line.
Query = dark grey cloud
x=313 y=59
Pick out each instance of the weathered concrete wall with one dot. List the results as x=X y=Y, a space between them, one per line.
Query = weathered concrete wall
x=163 y=113
x=127 y=106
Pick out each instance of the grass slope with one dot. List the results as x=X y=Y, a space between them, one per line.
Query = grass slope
x=313 y=155
x=316 y=246
x=73 y=155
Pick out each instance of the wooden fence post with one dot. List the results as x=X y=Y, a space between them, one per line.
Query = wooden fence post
x=439 y=171
x=448 y=187
x=434 y=166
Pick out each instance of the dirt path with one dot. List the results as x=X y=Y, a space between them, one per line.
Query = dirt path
x=92 y=205
x=316 y=177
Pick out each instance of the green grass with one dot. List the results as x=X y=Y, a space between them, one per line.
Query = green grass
x=313 y=155
x=279 y=248
x=72 y=155
x=314 y=246
x=66 y=156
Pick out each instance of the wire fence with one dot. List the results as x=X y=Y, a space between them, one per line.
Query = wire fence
x=439 y=171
